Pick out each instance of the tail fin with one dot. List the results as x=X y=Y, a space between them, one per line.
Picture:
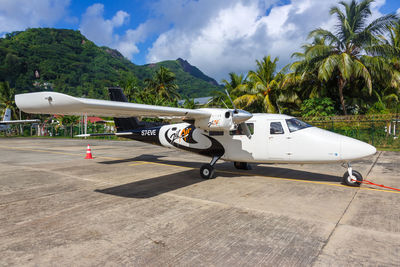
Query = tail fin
x=7 y=115
x=123 y=124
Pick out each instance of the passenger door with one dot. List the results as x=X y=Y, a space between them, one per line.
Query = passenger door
x=278 y=143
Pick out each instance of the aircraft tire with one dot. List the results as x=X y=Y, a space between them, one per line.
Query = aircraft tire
x=207 y=171
x=347 y=180
x=242 y=165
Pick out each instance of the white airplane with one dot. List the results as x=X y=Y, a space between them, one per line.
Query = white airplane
x=227 y=134
x=5 y=123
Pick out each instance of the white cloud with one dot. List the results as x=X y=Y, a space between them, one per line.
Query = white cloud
x=16 y=15
x=375 y=6
x=224 y=36
x=98 y=29
x=239 y=33
x=102 y=31
x=398 y=11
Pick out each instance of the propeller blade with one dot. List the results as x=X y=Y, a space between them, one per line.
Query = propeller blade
x=230 y=99
x=246 y=129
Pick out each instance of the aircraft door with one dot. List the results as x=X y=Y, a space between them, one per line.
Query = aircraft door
x=278 y=142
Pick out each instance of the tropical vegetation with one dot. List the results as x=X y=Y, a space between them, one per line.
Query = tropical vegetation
x=66 y=61
x=7 y=98
x=354 y=69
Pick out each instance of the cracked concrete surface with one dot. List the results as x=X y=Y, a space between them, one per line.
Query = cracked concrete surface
x=137 y=204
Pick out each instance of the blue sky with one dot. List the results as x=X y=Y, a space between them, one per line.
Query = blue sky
x=218 y=36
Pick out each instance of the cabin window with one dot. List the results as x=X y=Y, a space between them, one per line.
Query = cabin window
x=239 y=130
x=276 y=128
x=216 y=133
x=295 y=125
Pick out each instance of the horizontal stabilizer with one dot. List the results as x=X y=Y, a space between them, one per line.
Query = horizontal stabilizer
x=103 y=134
x=19 y=121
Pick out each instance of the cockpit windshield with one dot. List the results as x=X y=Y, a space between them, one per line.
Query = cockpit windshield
x=295 y=125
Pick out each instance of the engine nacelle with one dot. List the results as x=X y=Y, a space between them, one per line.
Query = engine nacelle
x=220 y=120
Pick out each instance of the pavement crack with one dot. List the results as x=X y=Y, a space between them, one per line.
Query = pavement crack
x=373 y=164
x=344 y=212
x=38 y=197
x=334 y=228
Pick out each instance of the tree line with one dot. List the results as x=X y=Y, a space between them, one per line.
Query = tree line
x=354 y=69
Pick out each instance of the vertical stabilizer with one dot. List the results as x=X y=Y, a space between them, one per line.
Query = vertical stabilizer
x=7 y=115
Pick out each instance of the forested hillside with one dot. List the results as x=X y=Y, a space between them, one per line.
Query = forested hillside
x=67 y=62
x=191 y=81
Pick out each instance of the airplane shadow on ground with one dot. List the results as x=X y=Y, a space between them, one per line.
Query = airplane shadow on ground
x=158 y=185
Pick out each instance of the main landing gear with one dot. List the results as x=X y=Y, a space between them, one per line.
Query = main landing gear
x=207 y=170
x=351 y=177
x=242 y=165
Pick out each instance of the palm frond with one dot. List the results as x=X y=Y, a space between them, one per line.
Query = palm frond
x=382 y=24
x=327 y=67
x=345 y=65
x=361 y=71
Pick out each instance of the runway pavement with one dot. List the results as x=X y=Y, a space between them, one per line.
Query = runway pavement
x=138 y=204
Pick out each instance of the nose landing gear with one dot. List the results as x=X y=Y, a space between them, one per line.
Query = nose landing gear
x=351 y=177
x=207 y=170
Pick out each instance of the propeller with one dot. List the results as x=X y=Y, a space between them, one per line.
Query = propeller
x=240 y=117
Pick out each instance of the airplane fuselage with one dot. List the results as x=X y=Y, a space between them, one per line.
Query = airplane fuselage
x=275 y=139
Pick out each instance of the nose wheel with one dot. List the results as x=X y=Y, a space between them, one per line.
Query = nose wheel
x=207 y=171
x=351 y=177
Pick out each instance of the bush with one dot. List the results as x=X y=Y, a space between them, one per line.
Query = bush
x=317 y=107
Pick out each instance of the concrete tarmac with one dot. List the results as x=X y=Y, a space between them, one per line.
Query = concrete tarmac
x=143 y=205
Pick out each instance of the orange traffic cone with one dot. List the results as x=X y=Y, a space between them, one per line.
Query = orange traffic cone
x=88 y=153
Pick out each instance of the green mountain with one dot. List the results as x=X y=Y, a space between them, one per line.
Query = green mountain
x=66 y=61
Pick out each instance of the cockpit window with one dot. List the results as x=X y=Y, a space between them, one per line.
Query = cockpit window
x=240 y=131
x=276 y=128
x=295 y=125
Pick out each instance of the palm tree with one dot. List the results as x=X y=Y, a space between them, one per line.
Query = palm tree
x=7 y=95
x=163 y=84
x=235 y=87
x=130 y=87
x=390 y=44
x=390 y=48
x=342 y=57
x=235 y=84
x=262 y=88
x=304 y=71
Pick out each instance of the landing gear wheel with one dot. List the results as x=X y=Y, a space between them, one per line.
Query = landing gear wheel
x=242 y=165
x=347 y=180
x=207 y=171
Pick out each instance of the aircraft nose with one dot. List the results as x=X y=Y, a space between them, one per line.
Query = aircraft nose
x=354 y=149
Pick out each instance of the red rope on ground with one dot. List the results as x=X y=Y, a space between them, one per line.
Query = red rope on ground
x=380 y=185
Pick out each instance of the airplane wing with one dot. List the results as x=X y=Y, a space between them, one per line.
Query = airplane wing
x=57 y=103
x=18 y=122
